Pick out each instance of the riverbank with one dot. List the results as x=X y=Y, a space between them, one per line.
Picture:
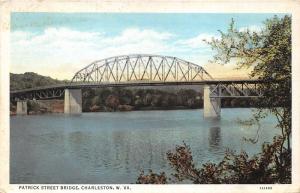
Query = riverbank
x=40 y=112
x=121 y=108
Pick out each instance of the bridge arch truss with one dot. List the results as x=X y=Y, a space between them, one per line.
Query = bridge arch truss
x=140 y=68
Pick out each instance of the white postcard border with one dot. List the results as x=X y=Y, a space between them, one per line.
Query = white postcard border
x=155 y=6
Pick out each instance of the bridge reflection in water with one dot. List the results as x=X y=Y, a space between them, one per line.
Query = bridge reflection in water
x=140 y=70
x=214 y=137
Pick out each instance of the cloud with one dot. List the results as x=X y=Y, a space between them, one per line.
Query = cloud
x=135 y=35
x=55 y=48
x=60 y=52
x=198 y=41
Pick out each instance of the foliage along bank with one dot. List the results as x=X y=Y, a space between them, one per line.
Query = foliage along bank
x=125 y=99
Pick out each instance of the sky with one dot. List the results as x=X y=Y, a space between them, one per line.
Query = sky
x=60 y=44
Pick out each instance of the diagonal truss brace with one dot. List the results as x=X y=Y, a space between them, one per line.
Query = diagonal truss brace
x=235 y=90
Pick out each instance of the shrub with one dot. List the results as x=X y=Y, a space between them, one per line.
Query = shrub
x=272 y=165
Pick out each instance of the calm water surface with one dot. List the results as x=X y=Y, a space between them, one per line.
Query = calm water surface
x=112 y=148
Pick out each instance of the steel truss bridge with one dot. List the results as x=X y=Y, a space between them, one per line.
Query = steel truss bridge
x=143 y=70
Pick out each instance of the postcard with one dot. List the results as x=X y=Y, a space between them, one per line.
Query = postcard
x=149 y=96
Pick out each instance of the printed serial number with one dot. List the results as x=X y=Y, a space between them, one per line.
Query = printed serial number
x=265 y=188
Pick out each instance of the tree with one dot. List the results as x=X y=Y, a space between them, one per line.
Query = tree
x=125 y=96
x=96 y=100
x=31 y=80
x=113 y=102
x=263 y=168
x=268 y=53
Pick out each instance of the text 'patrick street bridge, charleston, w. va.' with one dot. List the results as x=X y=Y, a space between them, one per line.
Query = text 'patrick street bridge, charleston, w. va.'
x=140 y=70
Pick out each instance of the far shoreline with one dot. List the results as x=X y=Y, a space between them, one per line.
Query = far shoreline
x=118 y=111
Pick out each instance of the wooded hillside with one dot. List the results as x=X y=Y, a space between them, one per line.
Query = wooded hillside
x=30 y=80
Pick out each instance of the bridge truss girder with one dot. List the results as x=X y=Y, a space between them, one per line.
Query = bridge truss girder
x=132 y=68
x=236 y=90
x=44 y=94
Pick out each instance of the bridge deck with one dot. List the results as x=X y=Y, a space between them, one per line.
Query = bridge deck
x=135 y=83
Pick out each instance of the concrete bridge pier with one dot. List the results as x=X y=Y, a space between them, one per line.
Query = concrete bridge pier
x=211 y=106
x=21 y=107
x=73 y=101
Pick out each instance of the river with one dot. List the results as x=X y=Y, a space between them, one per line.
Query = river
x=98 y=148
